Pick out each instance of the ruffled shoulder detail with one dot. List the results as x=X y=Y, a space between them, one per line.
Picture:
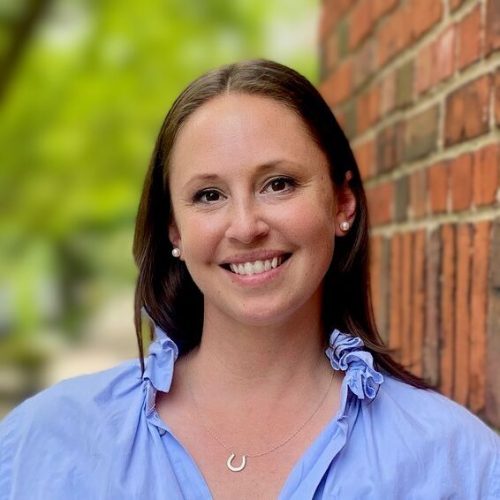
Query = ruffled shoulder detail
x=163 y=353
x=347 y=353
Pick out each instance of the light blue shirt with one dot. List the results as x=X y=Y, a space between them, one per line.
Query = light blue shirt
x=99 y=437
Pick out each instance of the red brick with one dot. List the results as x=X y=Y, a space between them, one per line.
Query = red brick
x=401 y=198
x=350 y=111
x=437 y=182
x=331 y=51
x=454 y=4
x=338 y=86
x=361 y=22
x=329 y=16
x=331 y=12
x=365 y=157
x=462 y=313
x=418 y=302
x=497 y=97
x=432 y=308
x=374 y=104
x=388 y=93
x=367 y=110
x=406 y=298
x=405 y=83
x=380 y=203
x=424 y=15
x=390 y=142
x=447 y=361
x=344 y=5
x=444 y=55
x=394 y=34
x=365 y=63
x=492 y=26
x=467 y=111
x=395 y=295
x=382 y=7
x=342 y=30
x=479 y=301
x=421 y=133
x=424 y=69
x=418 y=194
x=469 y=38
x=486 y=174
x=461 y=182
x=492 y=410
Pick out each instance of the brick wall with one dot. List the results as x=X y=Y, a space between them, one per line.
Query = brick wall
x=416 y=86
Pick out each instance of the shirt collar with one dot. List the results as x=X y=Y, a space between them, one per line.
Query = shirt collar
x=345 y=352
x=163 y=353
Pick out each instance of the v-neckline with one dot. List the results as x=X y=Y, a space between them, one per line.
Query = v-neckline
x=330 y=440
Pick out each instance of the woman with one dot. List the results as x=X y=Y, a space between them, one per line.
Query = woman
x=252 y=246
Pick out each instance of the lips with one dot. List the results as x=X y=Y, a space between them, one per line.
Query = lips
x=258 y=266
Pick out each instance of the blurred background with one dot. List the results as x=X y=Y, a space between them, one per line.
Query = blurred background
x=84 y=87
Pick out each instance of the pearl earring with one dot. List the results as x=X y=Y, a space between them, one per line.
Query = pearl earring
x=344 y=226
x=176 y=252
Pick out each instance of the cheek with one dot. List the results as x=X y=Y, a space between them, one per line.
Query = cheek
x=315 y=230
x=199 y=237
x=313 y=220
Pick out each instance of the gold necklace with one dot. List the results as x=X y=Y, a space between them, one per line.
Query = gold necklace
x=232 y=455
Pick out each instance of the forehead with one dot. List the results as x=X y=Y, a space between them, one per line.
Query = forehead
x=244 y=129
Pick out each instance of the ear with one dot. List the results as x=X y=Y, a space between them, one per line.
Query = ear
x=346 y=205
x=174 y=236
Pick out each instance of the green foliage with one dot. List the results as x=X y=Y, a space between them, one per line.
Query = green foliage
x=77 y=127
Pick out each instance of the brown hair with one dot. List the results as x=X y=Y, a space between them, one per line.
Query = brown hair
x=165 y=290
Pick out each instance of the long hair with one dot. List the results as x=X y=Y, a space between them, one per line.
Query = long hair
x=165 y=289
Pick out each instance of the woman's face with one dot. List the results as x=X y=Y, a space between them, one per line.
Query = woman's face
x=254 y=210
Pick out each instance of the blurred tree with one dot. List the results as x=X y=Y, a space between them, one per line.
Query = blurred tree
x=89 y=84
x=17 y=21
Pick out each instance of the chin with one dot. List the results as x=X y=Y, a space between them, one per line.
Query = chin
x=265 y=318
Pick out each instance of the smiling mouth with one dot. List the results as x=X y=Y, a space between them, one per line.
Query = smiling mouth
x=257 y=266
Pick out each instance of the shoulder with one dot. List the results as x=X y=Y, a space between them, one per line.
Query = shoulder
x=429 y=412
x=426 y=406
x=85 y=391
x=72 y=406
x=435 y=430
x=427 y=441
x=74 y=422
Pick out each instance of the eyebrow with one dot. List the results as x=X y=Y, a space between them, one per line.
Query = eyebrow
x=260 y=170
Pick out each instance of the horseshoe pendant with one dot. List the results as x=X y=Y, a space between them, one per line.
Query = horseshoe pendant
x=238 y=468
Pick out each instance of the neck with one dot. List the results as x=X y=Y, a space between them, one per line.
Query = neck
x=236 y=360
x=244 y=381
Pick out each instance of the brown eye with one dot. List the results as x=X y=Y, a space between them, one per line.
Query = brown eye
x=207 y=196
x=211 y=196
x=280 y=184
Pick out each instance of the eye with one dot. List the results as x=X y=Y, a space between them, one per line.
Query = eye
x=207 y=196
x=280 y=184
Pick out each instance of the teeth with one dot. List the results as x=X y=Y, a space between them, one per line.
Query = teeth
x=257 y=267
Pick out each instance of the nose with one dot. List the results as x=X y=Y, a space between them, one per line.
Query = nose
x=246 y=223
